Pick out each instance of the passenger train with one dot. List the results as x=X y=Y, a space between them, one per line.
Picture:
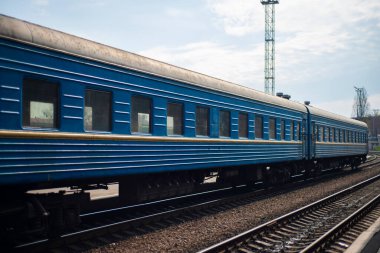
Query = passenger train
x=76 y=113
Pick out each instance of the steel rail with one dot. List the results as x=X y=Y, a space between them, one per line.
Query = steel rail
x=230 y=243
x=322 y=242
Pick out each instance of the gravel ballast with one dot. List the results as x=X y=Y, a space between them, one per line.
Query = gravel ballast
x=200 y=233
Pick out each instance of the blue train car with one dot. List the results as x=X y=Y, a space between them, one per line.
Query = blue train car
x=80 y=114
x=72 y=110
x=337 y=141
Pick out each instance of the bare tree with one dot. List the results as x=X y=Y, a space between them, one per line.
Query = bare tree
x=361 y=105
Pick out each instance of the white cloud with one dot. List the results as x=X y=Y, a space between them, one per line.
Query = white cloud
x=374 y=101
x=341 y=107
x=314 y=27
x=237 y=18
x=177 y=13
x=226 y=62
x=307 y=32
x=41 y=2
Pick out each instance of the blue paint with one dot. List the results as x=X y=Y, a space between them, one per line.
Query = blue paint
x=25 y=161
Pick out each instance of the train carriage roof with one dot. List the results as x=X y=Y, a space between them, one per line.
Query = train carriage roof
x=26 y=32
x=333 y=116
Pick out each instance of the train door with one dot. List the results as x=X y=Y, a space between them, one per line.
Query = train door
x=314 y=137
x=303 y=138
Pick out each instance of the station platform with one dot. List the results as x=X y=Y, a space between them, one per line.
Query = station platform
x=368 y=241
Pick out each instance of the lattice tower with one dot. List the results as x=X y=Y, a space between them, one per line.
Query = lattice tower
x=269 y=45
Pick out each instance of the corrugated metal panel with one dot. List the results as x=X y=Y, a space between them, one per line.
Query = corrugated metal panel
x=33 y=160
x=331 y=150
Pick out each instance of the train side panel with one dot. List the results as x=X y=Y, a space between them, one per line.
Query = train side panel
x=69 y=152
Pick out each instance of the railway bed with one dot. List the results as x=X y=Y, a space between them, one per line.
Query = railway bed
x=311 y=228
x=121 y=223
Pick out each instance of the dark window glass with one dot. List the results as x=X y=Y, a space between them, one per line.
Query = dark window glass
x=328 y=134
x=272 y=128
x=224 y=124
x=258 y=127
x=344 y=136
x=141 y=114
x=317 y=131
x=333 y=134
x=299 y=131
x=174 y=121
x=282 y=129
x=291 y=130
x=202 y=121
x=243 y=125
x=40 y=104
x=97 y=111
x=324 y=134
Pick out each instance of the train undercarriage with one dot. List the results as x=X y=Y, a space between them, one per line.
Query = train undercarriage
x=24 y=214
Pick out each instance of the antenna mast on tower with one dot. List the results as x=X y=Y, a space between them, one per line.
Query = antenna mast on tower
x=269 y=45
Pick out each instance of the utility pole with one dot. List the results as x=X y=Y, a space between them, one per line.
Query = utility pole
x=269 y=45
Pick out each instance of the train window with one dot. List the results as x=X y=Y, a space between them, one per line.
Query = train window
x=272 y=128
x=174 y=120
x=224 y=124
x=40 y=104
x=282 y=129
x=97 y=111
x=202 y=121
x=258 y=126
x=243 y=125
x=141 y=114
x=328 y=132
x=320 y=133
x=299 y=130
x=291 y=130
x=316 y=132
x=338 y=135
x=333 y=134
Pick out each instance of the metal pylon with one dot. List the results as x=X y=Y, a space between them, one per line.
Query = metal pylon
x=269 y=46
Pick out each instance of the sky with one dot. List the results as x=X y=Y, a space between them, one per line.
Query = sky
x=323 y=48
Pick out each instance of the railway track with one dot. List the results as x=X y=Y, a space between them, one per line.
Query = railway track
x=313 y=228
x=131 y=220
